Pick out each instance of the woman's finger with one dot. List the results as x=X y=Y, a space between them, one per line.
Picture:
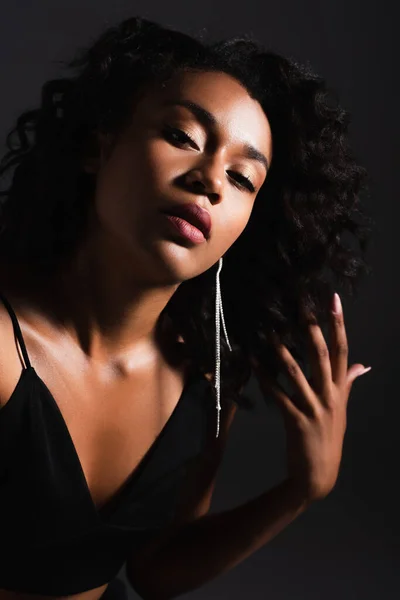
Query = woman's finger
x=304 y=397
x=269 y=386
x=320 y=362
x=339 y=347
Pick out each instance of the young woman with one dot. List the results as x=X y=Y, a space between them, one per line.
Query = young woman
x=158 y=161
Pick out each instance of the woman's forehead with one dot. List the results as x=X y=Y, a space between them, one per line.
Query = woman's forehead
x=216 y=94
x=216 y=88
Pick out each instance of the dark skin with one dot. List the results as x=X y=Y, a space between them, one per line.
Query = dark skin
x=131 y=263
x=103 y=312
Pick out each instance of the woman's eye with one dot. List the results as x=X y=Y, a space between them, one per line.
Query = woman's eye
x=177 y=135
x=245 y=181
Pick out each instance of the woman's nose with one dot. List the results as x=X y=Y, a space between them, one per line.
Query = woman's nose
x=205 y=182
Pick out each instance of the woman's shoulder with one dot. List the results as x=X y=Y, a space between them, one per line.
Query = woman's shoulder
x=11 y=359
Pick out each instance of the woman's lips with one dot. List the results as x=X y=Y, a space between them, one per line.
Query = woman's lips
x=192 y=213
x=185 y=228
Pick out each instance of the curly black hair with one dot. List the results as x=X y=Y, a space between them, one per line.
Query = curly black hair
x=292 y=254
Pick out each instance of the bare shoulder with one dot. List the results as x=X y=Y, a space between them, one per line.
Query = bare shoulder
x=11 y=360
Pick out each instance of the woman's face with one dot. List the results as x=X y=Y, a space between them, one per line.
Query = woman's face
x=152 y=166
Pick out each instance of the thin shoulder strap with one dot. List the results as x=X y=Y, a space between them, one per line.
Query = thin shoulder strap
x=17 y=330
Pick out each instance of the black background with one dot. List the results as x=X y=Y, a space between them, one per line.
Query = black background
x=345 y=546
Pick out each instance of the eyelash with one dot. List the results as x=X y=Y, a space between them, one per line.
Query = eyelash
x=248 y=184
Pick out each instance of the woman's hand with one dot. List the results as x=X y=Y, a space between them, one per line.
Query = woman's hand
x=315 y=415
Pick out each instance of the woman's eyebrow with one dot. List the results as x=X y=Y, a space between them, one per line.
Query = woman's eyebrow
x=208 y=119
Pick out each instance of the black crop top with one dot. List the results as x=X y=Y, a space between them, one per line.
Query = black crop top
x=53 y=539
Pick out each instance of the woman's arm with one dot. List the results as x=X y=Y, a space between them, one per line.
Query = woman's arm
x=315 y=422
x=202 y=549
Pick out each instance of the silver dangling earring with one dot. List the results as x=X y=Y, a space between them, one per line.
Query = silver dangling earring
x=219 y=312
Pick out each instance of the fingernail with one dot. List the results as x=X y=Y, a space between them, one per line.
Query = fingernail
x=365 y=371
x=337 y=305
